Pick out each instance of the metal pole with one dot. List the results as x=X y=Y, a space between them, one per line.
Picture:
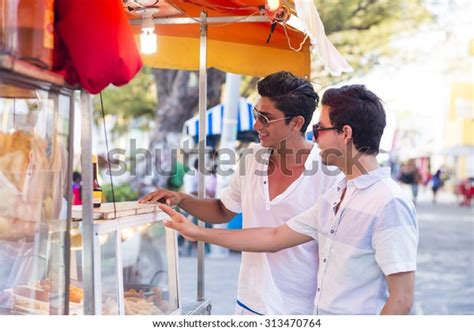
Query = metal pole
x=210 y=20
x=70 y=160
x=90 y=295
x=228 y=138
x=202 y=143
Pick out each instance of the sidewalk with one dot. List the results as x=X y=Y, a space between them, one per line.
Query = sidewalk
x=221 y=275
x=445 y=274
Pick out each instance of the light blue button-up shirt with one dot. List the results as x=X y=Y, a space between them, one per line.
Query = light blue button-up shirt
x=373 y=234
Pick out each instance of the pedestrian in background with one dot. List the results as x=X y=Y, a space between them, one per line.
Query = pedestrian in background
x=436 y=183
x=410 y=175
x=77 y=188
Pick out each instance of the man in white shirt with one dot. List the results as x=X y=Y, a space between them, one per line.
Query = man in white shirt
x=275 y=181
x=365 y=226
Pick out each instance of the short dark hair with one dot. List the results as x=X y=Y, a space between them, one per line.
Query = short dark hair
x=76 y=176
x=362 y=110
x=292 y=95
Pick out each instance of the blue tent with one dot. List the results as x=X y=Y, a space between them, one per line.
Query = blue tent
x=215 y=117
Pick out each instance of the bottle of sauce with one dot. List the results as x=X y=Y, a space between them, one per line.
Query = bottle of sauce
x=96 y=189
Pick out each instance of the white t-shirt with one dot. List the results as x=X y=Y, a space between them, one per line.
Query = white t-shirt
x=283 y=282
x=373 y=234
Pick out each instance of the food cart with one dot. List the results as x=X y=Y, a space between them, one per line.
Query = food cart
x=135 y=260
x=85 y=260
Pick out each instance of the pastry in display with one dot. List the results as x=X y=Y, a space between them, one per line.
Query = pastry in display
x=140 y=306
x=137 y=303
x=109 y=307
x=76 y=294
x=32 y=182
x=14 y=157
x=31 y=299
x=132 y=293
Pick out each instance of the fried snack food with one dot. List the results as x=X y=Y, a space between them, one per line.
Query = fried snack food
x=31 y=292
x=14 y=156
x=140 y=306
x=132 y=293
x=32 y=299
x=76 y=294
x=109 y=307
x=32 y=182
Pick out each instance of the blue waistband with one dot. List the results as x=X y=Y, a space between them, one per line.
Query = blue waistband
x=247 y=308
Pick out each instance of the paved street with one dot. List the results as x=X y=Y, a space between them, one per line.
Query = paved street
x=444 y=279
x=445 y=276
x=221 y=276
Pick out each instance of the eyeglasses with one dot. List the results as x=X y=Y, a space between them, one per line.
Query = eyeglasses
x=317 y=128
x=263 y=119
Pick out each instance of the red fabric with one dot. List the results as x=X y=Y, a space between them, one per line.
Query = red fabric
x=94 y=44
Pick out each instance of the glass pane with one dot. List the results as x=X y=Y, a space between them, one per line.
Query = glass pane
x=33 y=199
x=145 y=271
x=108 y=272
x=108 y=252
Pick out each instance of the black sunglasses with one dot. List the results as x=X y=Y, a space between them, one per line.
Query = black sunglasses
x=317 y=128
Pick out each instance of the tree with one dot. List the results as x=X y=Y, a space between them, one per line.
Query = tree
x=178 y=96
x=362 y=30
x=136 y=100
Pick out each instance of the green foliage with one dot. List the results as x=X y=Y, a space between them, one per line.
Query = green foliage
x=136 y=99
x=362 y=29
x=122 y=192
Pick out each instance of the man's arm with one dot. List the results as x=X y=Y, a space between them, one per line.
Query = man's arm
x=209 y=210
x=248 y=240
x=401 y=287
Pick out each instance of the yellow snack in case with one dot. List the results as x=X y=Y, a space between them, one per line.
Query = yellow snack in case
x=76 y=294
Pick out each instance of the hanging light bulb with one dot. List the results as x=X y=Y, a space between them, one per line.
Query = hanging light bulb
x=273 y=4
x=148 y=42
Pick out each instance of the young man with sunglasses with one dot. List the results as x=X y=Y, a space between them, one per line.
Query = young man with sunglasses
x=275 y=181
x=365 y=226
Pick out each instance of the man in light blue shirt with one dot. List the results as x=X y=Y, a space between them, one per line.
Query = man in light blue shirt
x=365 y=226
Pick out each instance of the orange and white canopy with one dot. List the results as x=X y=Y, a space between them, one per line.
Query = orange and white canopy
x=232 y=47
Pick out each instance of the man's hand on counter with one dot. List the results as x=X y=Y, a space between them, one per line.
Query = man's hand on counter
x=180 y=223
x=162 y=196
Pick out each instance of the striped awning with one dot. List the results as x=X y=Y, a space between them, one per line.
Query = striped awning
x=215 y=117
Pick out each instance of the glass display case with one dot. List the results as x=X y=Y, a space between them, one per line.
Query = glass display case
x=135 y=265
x=36 y=115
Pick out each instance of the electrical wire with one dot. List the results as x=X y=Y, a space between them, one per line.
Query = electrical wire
x=108 y=156
x=218 y=25
x=289 y=41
